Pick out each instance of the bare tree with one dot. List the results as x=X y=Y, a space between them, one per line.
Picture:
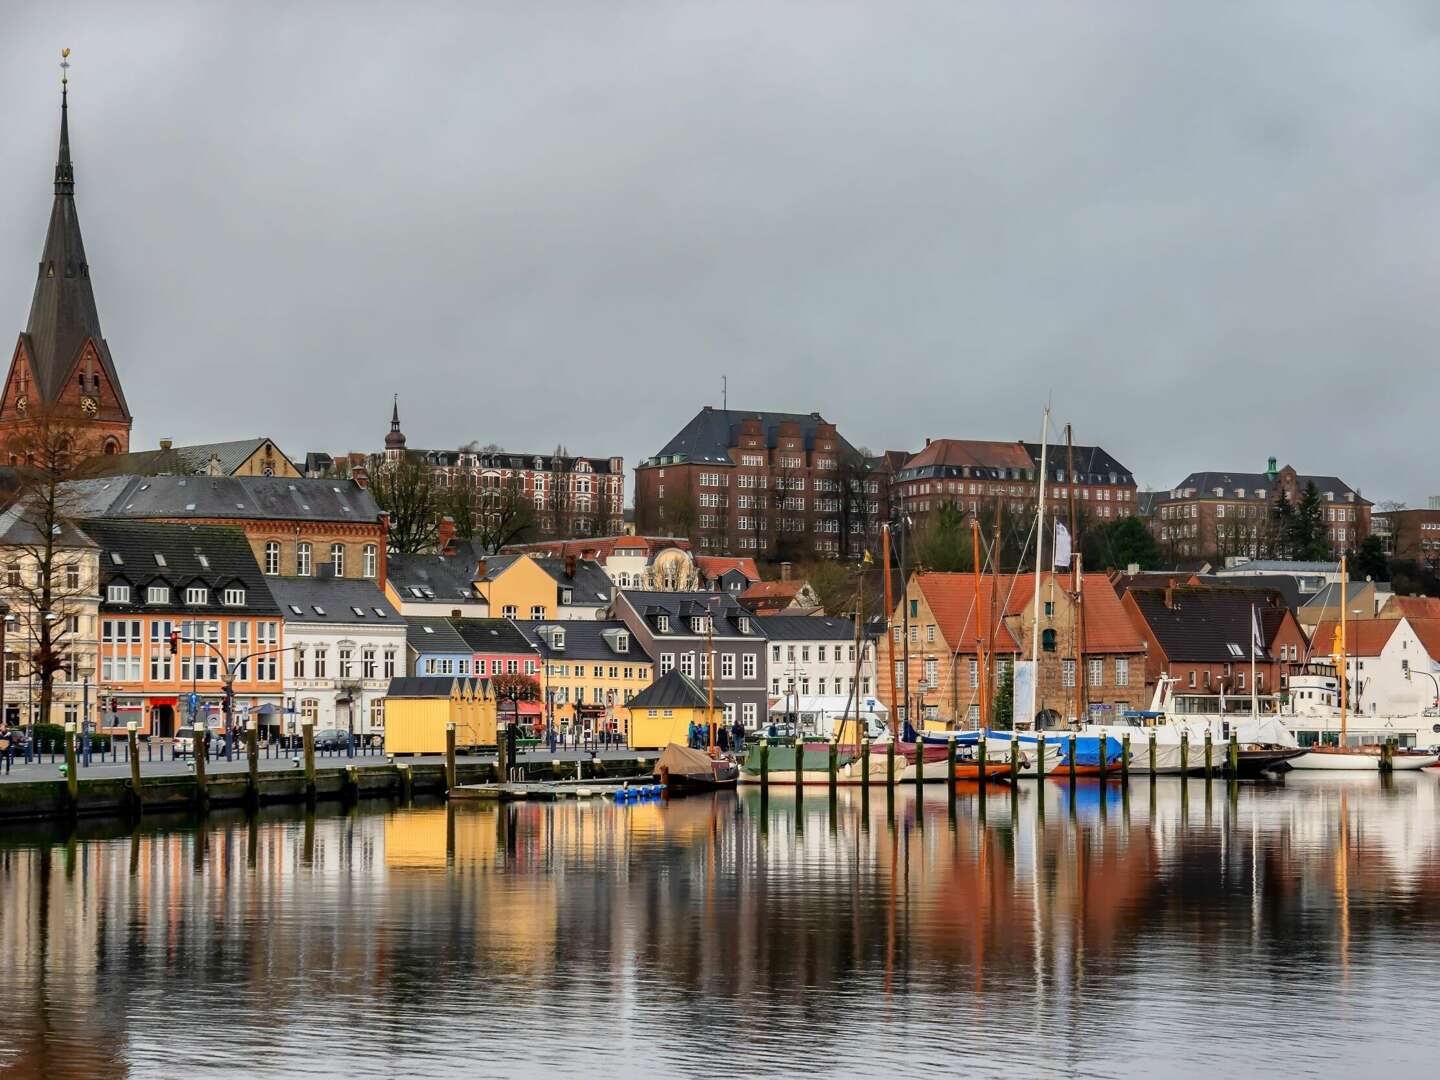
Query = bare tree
x=852 y=472
x=405 y=490
x=561 y=501
x=44 y=580
x=504 y=514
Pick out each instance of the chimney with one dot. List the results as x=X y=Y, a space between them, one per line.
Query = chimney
x=1132 y=568
x=570 y=566
x=785 y=569
x=166 y=444
x=445 y=536
x=1170 y=597
x=927 y=440
x=361 y=476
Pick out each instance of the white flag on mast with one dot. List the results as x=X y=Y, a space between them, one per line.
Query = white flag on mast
x=1257 y=643
x=1062 y=545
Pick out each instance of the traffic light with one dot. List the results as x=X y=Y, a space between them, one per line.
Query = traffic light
x=174 y=642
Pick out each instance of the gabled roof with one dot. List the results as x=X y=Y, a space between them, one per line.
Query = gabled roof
x=805 y=627
x=19 y=527
x=711 y=433
x=432 y=579
x=435 y=635
x=1412 y=607
x=952 y=600
x=586 y=640
x=1330 y=595
x=1108 y=628
x=1363 y=637
x=333 y=601
x=589 y=584
x=600 y=548
x=216 y=556
x=1428 y=631
x=1200 y=623
x=1253 y=483
x=184 y=460
x=712 y=566
x=492 y=636
x=262 y=498
x=671 y=691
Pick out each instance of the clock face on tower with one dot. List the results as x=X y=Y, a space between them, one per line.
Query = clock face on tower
x=89 y=406
x=22 y=403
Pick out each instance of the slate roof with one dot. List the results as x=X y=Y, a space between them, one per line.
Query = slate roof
x=1204 y=621
x=183 y=460
x=440 y=579
x=590 y=586
x=435 y=635
x=62 y=311
x=1205 y=483
x=332 y=601
x=261 y=498
x=585 y=640
x=17 y=526
x=1287 y=585
x=671 y=691
x=1330 y=595
x=805 y=627
x=492 y=636
x=519 y=462
x=1093 y=464
x=711 y=433
x=682 y=606
x=1279 y=566
x=422 y=686
x=213 y=555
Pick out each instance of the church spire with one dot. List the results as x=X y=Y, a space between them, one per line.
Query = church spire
x=396 y=439
x=64 y=170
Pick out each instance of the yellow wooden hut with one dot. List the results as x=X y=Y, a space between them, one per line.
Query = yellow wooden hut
x=663 y=712
x=418 y=708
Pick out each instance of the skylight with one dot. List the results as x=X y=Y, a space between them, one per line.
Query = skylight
x=429 y=629
x=297 y=609
x=318 y=609
x=358 y=611
x=160 y=560
x=204 y=559
x=189 y=506
x=379 y=611
x=117 y=558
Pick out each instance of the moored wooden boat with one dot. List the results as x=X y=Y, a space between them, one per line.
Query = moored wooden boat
x=683 y=769
x=1361 y=759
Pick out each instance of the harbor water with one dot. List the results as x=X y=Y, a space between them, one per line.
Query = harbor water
x=1174 y=929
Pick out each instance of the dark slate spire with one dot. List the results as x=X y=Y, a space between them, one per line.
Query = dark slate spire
x=63 y=313
x=395 y=440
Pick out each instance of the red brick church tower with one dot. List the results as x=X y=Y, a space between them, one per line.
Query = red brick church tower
x=62 y=364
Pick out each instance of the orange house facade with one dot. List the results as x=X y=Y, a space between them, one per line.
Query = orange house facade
x=157 y=579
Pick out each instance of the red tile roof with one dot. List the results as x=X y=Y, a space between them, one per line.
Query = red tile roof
x=1413 y=607
x=1428 y=631
x=712 y=566
x=1108 y=628
x=1363 y=637
x=951 y=598
x=1000 y=455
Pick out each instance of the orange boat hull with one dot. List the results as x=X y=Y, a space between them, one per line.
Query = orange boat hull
x=971 y=770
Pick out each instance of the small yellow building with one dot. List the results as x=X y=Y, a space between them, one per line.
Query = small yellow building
x=589 y=671
x=516 y=587
x=663 y=712
x=418 y=708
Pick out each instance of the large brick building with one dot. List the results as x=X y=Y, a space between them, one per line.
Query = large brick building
x=1412 y=535
x=61 y=366
x=973 y=474
x=765 y=484
x=1215 y=515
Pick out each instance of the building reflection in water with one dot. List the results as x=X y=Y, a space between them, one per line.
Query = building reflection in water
x=572 y=936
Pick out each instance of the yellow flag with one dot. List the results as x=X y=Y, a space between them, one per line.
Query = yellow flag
x=869 y=559
x=1337 y=646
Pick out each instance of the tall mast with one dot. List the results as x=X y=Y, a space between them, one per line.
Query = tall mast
x=710 y=679
x=889 y=631
x=981 y=625
x=1039 y=543
x=1344 y=661
x=1254 y=653
x=859 y=651
x=1077 y=618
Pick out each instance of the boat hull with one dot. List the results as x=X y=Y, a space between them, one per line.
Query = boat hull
x=1359 y=761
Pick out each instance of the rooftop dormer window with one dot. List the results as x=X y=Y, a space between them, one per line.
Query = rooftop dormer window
x=662 y=623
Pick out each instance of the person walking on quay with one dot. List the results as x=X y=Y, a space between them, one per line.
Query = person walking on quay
x=7 y=749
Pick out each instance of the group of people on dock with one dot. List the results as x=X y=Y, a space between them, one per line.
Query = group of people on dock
x=727 y=737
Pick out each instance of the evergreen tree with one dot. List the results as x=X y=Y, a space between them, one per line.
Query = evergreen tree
x=1309 y=540
x=1282 y=517
x=1004 y=704
x=1370 y=561
x=945 y=543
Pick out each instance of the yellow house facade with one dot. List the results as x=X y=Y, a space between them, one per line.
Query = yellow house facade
x=516 y=587
x=589 y=672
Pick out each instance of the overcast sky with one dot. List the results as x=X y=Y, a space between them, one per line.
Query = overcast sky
x=1211 y=232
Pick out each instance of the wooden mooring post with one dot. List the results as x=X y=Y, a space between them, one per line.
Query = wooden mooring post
x=450 y=758
x=72 y=772
x=799 y=770
x=1209 y=755
x=833 y=768
x=1184 y=753
x=1152 y=753
x=200 y=757
x=1040 y=757
x=764 y=769
x=1072 y=761
x=1125 y=759
x=1233 y=757
x=252 y=762
x=132 y=742
x=307 y=745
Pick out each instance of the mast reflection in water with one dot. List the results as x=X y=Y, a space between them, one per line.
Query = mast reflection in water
x=1176 y=932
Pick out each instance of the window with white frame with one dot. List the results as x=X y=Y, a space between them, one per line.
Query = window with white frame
x=371 y=561
x=747 y=714
x=747 y=666
x=337 y=559
x=197 y=594
x=117 y=594
x=1122 y=671
x=234 y=596
x=157 y=594
x=272 y=557
x=687 y=664
x=667 y=661
x=302 y=558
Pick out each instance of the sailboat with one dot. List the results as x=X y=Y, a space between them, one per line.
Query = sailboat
x=1344 y=757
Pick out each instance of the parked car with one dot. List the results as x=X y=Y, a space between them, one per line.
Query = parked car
x=185 y=739
x=332 y=739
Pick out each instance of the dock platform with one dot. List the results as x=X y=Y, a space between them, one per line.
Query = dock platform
x=537 y=791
